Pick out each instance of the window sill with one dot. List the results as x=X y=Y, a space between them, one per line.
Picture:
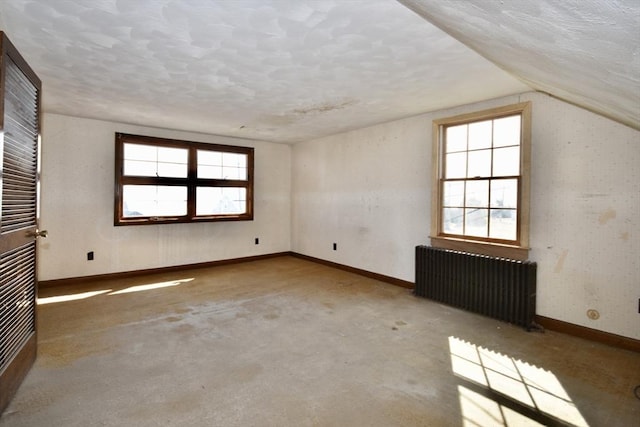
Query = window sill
x=491 y=249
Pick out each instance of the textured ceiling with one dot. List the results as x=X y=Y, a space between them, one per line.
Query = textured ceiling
x=586 y=52
x=279 y=70
x=292 y=70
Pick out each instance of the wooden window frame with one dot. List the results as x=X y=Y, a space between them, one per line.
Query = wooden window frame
x=191 y=182
x=492 y=247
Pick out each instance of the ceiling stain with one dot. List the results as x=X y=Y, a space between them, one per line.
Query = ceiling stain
x=324 y=107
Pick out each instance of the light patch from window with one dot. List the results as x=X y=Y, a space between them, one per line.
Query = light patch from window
x=508 y=389
x=151 y=286
x=70 y=297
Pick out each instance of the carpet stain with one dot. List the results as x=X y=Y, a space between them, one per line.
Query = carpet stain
x=606 y=216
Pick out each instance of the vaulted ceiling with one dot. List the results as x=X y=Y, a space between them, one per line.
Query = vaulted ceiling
x=292 y=70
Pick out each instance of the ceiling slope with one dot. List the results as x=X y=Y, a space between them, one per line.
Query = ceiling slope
x=585 y=52
x=278 y=70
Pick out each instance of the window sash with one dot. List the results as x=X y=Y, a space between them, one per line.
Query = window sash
x=232 y=210
x=489 y=206
x=499 y=242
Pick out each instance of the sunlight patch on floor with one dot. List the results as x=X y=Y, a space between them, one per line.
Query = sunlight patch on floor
x=150 y=286
x=71 y=297
x=524 y=386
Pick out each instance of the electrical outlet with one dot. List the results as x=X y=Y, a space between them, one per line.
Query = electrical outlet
x=335 y=246
x=90 y=256
x=257 y=241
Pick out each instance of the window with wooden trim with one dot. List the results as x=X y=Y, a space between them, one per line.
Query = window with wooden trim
x=162 y=180
x=481 y=182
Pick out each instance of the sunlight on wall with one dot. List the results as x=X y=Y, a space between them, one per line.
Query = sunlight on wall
x=509 y=390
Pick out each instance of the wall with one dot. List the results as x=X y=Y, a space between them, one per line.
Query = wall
x=369 y=191
x=78 y=196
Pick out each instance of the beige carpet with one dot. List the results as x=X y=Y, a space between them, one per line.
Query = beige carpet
x=287 y=342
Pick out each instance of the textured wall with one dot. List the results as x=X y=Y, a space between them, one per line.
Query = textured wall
x=369 y=191
x=77 y=206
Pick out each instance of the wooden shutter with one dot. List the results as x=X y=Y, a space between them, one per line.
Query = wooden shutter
x=20 y=155
x=19 y=144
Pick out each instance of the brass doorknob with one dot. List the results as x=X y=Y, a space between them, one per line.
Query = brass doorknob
x=37 y=233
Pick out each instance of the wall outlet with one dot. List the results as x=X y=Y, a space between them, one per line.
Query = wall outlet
x=335 y=246
x=257 y=241
x=90 y=256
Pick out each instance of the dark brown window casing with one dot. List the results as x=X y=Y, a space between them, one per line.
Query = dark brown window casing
x=194 y=178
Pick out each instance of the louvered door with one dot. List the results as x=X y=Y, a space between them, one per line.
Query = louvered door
x=19 y=139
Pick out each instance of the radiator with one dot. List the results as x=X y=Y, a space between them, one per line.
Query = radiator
x=501 y=288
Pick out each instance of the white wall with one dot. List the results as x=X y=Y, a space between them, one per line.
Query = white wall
x=369 y=191
x=78 y=196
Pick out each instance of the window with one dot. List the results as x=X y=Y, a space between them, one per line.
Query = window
x=481 y=182
x=167 y=181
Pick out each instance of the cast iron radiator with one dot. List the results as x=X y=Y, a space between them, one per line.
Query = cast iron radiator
x=501 y=288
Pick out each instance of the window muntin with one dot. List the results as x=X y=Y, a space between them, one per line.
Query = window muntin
x=481 y=164
x=477 y=171
x=164 y=181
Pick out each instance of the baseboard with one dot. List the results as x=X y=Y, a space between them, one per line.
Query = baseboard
x=369 y=274
x=589 y=334
x=128 y=274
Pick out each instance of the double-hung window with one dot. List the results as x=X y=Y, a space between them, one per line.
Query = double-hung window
x=481 y=182
x=167 y=181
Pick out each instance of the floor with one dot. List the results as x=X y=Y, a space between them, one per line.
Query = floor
x=288 y=342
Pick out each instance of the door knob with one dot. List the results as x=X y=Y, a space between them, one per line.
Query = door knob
x=37 y=233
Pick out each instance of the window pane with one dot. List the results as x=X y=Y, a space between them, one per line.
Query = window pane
x=477 y=194
x=217 y=165
x=234 y=173
x=234 y=159
x=206 y=157
x=172 y=170
x=452 y=220
x=146 y=160
x=453 y=193
x=140 y=152
x=139 y=168
x=506 y=131
x=480 y=135
x=503 y=224
x=456 y=165
x=479 y=164
x=456 y=138
x=221 y=200
x=154 y=200
x=504 y=193
x=211 y=172
x=476 y=222
x=173 y=155
x=506 y=161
